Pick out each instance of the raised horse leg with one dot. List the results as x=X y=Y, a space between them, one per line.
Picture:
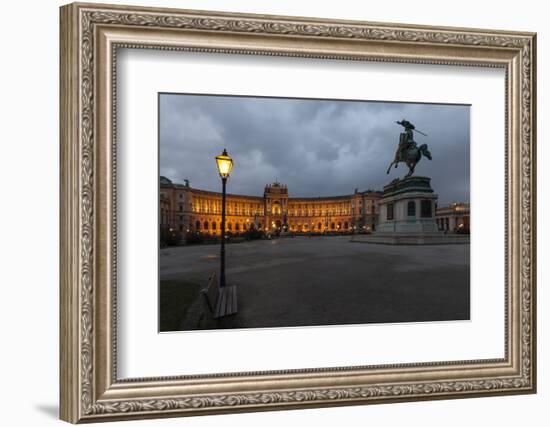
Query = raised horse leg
x=411 y=169
x=391 y=164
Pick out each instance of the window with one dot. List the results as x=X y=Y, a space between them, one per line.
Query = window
x=426 y=208
x=214 y=225
x=389 y=212
x=206 y=225
x=411 y=208
x=198 y=225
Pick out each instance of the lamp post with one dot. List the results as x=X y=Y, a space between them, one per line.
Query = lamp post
x=225 y=164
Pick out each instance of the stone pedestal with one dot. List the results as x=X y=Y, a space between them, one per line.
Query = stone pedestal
x=408 y=206
x=407 y=216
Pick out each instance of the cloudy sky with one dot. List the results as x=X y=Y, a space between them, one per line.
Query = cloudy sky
x=316 y=147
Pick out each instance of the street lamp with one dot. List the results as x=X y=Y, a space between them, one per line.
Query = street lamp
x=225 y=164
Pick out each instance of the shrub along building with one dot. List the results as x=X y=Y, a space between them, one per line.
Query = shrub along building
x=187 y=209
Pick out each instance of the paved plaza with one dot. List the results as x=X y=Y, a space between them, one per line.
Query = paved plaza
x=305 y=281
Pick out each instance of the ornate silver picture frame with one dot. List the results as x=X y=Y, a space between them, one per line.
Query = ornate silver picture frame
x=91 y=36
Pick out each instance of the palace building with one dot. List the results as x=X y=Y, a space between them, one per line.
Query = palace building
x=187 y=209
x=453 y=218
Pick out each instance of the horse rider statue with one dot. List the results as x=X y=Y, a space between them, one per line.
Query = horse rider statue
x=407 y=151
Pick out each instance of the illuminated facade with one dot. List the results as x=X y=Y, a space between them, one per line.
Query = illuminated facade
x=453 y=218
x=187 y=209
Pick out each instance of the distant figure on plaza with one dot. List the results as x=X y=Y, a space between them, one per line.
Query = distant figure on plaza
x=407 y=150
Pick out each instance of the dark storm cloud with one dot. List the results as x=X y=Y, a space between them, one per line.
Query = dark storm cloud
x=316 y=147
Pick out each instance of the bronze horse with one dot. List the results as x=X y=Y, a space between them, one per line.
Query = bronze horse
x=410 y=157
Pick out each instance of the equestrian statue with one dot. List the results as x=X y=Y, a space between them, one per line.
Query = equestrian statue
x=407 y=151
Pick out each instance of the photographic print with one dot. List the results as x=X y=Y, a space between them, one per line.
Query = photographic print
x=280 y=212
x=322 y=235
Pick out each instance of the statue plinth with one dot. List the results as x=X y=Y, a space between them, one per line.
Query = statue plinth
x=413 y=183
x=408 y=206
x=407 y=216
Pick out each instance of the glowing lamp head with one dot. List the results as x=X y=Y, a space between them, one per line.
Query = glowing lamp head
x=225 y=164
